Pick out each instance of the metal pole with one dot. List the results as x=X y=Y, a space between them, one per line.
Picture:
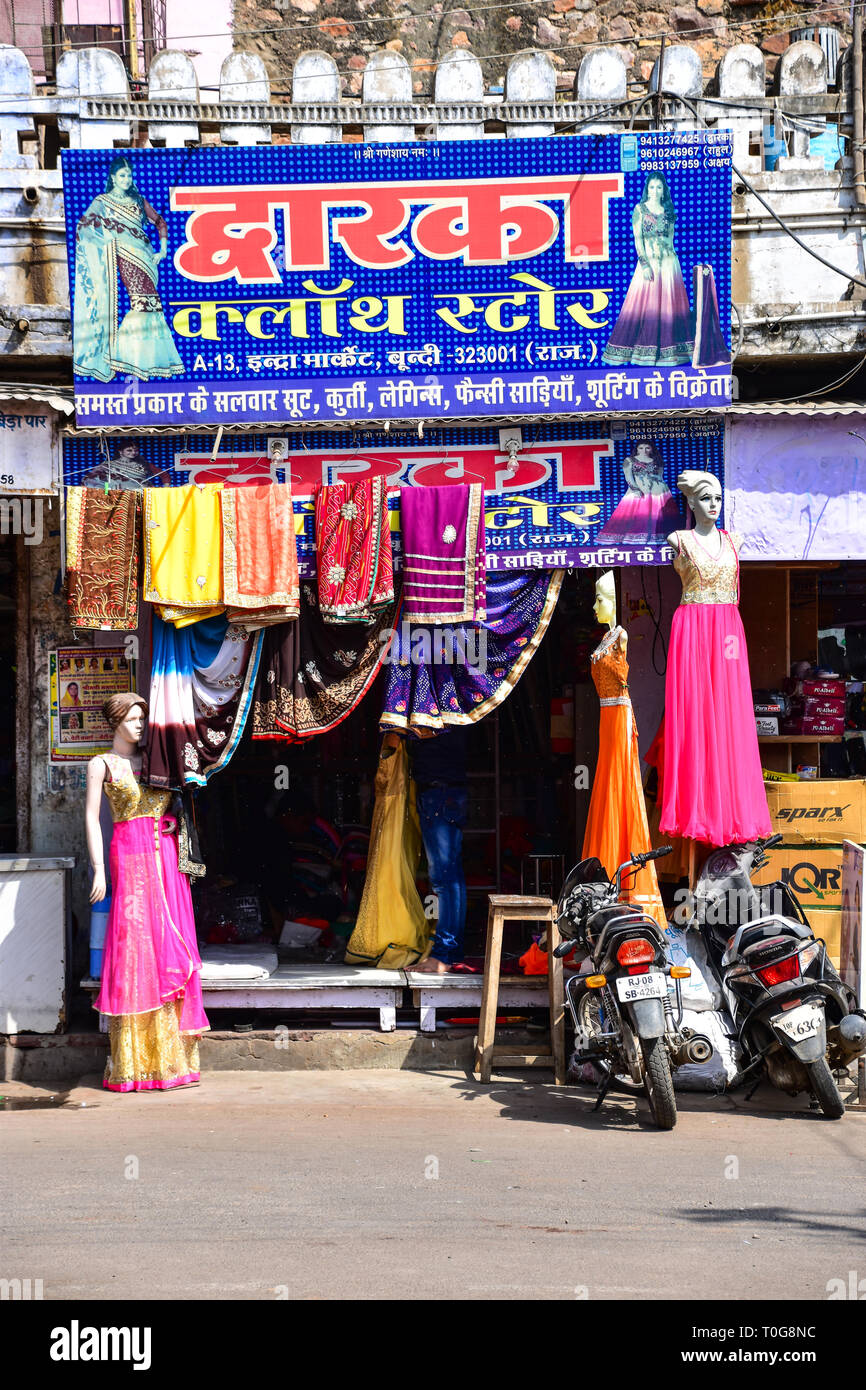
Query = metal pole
x=857 y=94
x=132 y=37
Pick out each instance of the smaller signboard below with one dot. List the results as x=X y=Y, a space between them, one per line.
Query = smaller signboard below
x=853 y=918
x=80 y=680
x=28 y=448
x=595 y=492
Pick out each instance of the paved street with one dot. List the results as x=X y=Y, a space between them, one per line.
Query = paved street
x=319 y=1185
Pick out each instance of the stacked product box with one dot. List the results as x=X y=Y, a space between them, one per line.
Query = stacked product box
x=770 y=706
x=814 y=818
x=818 y=709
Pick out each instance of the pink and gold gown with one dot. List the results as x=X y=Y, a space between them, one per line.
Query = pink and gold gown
x=617 y=826
x=151 y=985
x=712 y=786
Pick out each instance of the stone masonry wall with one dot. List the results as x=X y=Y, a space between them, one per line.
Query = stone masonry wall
x=350 y=30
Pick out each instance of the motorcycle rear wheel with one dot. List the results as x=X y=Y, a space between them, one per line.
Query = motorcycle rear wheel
x=825 y=1090
x=658 y=1083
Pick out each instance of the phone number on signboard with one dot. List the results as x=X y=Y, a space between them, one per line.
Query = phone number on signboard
x=671 y=163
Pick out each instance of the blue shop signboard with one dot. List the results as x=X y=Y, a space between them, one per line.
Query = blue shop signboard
x=509 y=278
x=590 y=492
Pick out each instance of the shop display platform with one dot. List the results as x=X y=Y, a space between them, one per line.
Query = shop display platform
x=361 y=987
x=307 y=987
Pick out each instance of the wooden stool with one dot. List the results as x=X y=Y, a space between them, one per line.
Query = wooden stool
x=512 y=907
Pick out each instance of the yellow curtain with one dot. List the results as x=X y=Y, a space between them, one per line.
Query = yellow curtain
x=391 y=931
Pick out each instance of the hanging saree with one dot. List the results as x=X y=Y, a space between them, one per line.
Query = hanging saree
x=102 y=559
x=113 y=249
x=200 y=695
x=391 y=931
x=354 y=559
x=458 y=675
x=442 y=533
x=260 y=555
x=311 y=675
x=183 y=560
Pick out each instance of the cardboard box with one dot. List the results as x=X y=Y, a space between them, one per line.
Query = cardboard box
x=832 y=689
x=812 y=872
x=810 y=707
x=767 y=725
x=826 y=922
x=818 y=728
x=826 y=812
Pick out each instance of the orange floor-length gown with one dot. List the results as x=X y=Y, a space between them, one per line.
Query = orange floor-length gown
x=617 y=823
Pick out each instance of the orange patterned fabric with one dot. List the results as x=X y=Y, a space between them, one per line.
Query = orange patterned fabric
x=102 y=558
x=260 y=555
x=617 y=823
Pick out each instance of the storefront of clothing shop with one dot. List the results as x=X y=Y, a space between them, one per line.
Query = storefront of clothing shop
x=34 y=872
x=318 y=495
x=795 y=495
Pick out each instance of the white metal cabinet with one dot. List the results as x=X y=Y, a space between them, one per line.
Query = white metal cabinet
x=34 y=933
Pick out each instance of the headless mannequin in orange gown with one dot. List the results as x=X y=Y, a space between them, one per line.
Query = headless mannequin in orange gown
x=617 y=826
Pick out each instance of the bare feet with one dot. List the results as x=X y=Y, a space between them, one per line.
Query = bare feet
x=430 y=966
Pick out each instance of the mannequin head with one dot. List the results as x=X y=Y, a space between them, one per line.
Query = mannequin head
x=125 y=713
x=605 y=599
x=703 y=492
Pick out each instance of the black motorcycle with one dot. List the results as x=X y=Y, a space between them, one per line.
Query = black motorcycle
x=624 y=1019
x=794 y=1016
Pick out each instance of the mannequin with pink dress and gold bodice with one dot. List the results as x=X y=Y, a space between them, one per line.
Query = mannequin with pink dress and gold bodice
x=712 y=786
x=151 y=984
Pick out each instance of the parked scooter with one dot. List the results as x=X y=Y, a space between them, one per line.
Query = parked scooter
x=794 y=1016
x=624 y=1018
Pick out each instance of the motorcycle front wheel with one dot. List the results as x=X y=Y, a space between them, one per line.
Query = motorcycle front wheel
x=825 y=1090
x=658 y=1083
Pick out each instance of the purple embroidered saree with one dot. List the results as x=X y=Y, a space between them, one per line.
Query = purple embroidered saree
x=446 y=676
x=442 y=532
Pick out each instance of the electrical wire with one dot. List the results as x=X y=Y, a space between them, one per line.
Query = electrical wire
x=854 y=279
x=658 y=635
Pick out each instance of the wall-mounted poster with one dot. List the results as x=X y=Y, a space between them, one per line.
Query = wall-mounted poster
x=592 y=492
x=80 y=680
x=351 y=282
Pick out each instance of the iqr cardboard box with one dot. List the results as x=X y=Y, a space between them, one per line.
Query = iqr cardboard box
x=825 y=812
x=826 y=922
x=812 y=872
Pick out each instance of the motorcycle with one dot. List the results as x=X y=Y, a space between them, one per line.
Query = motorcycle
x=624 y=1018
x=795 y=1018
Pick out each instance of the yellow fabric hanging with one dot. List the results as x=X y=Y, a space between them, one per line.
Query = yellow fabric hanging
x=183 y=559
x=391 y=931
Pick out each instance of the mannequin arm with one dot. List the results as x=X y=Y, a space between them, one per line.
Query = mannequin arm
x=95 y=847
x=674 y=541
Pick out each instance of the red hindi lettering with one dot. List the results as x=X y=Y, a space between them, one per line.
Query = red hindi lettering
x=577 y=466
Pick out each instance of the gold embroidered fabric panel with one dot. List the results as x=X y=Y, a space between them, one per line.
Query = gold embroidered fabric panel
x=102 y=558
x=705 y=579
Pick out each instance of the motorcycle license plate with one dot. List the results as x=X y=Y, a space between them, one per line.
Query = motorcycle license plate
x=799 y=1023
x=630 y=988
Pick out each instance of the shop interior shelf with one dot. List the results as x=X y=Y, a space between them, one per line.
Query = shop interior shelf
x=800 y=738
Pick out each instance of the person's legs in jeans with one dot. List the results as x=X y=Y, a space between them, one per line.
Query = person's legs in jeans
x=442 y=815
